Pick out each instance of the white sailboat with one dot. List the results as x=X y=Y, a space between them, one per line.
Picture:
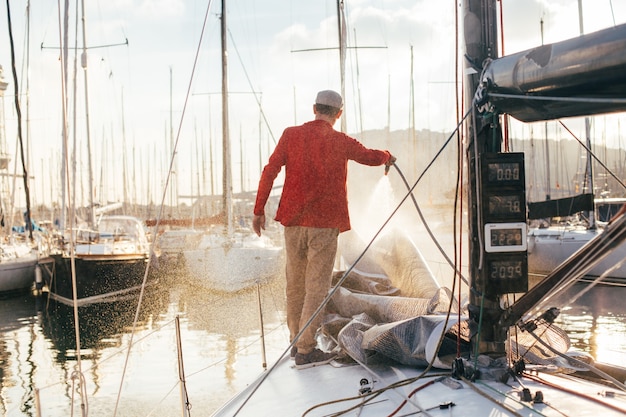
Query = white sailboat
x=18 y=257
x=550 y=246
x=228 y=258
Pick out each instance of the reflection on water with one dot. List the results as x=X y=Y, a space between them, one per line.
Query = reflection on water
x=220 y=342
x=596 y=323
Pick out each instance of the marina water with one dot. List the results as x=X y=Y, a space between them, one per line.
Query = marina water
x=223 y=348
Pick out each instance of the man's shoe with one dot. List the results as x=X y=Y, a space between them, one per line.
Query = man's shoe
x=314 y=358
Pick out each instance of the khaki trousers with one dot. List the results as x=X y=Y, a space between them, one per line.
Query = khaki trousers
x=310 y=256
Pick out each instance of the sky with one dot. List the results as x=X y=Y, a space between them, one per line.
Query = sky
x=154 y=78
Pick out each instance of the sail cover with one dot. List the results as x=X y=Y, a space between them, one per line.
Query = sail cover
x=588 y=73
x=379 y=316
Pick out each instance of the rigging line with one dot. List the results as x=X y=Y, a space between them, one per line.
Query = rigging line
x=612 y=12
x=242 y=348
x=372 y=395
x=429 y=230
x=89 y=47
x=350 y=268
x=474 y=134
x=578 y=393
x=619 y=181
x=256 y=97
x=104 y=359
x=517 y=400
x=555 y=98
x=335 y=47
x=591 y=284
x=160 y=213
x=459 y=187
x=406 y=399
x=18 y=110
x=580 y=363
x=482 y=393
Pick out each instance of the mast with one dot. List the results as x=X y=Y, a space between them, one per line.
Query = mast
x=589 y=170
x=92 y=215
x=65 y=176
x=227 y=173
x=547 y=142
x=484 y=136
x=341 y=30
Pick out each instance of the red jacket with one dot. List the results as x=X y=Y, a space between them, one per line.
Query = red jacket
x=315 y=157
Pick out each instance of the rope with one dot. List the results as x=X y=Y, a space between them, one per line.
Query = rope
x=577 y=393
x=508 y=408
x=82 y=389
x=570 y=359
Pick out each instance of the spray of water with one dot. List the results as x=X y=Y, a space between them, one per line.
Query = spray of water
x=367 y=220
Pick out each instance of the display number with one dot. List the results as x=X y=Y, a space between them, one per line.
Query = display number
x=506 y=237
x=505 y=204
x=506 y=270
x=503 y=171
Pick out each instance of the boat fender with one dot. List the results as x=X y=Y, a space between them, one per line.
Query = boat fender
x=38 y=278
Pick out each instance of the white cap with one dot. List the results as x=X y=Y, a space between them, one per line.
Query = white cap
x=329 y=98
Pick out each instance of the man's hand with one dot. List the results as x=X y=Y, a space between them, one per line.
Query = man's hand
x=258 y=223
x=389 y=163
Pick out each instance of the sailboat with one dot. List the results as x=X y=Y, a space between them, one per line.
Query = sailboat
x=231 y=257
x=106 y=259
x=501 y=354
x=585 y=218
x=19 y=256
x=550 y=245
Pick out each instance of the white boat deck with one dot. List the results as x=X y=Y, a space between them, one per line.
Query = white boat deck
x=332 y=390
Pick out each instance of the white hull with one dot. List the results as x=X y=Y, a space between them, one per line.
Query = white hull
x=172 y=243
x=17 y=268
x=232 y=264
x=548 y=248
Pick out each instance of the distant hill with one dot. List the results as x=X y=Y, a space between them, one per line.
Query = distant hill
x=415 y=152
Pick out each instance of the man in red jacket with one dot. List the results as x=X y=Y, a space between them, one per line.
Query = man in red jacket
x=314 y=210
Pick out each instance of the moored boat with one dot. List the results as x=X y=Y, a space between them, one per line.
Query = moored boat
x=230 y=258
x=18 y=262
x=108 y=263
x=231 y=263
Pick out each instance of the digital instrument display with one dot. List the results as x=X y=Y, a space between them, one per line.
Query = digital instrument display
x=506 y=270
x=505 y=237
x=503 y=171
x=506 y=273
x=505 y=205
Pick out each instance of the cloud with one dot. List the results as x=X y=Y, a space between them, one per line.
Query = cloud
x=160 y=9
